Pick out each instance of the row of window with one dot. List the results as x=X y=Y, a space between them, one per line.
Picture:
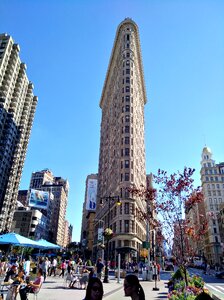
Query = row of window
x=126 y=164
x=127 y=89
x=216 y=178
x=126 y=152
x=215 y=200
x=214 y=193
x=213 y=186
x=210 y=171
x=214 y=207
x=126 y=177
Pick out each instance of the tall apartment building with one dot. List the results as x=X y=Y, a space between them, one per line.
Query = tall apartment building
x=122 y=143
x=17 y=108
x=212 y=180
x=58 y=190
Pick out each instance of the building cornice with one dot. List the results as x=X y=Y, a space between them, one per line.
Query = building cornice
x=112 y=57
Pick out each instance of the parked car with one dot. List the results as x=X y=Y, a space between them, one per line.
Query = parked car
x=219 y=274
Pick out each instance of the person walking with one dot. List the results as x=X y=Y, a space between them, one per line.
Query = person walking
x=44 y=267
x=63 y=267
x=132 y=288
x=99 y=267
x=53 y=266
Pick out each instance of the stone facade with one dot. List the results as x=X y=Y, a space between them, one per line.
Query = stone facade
x=17 y=108
x=212 y=180
x=122 y=144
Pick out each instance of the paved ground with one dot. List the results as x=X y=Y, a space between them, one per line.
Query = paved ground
x=55 y=288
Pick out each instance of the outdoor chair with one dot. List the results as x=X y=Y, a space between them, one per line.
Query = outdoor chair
x=3 y=290
x=84 y=280
x=35 y=294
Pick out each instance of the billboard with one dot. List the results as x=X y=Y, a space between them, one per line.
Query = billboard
x=38 y=199
x=91 y=194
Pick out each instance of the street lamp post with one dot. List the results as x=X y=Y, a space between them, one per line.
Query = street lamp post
x=108 y=199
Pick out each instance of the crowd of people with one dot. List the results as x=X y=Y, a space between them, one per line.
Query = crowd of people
x=16 y=273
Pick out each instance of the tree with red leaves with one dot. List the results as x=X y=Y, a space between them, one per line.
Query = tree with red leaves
x=172 y=201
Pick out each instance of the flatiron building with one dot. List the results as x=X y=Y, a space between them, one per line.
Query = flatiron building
x=122 y=144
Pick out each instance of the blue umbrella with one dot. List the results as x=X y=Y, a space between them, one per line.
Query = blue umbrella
x=43 y=244
x=17 y=240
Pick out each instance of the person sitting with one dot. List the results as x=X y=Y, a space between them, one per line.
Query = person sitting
x=15 y=285
x=11 y=273
x=32 y=286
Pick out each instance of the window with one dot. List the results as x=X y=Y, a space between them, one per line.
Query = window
x=127 y=108
x=128 y=71
x=133 y=226
x=126 y=177
x=215 y=230
x=126 y=163
x=126 y=243
x=127 y=129
x=127 y=118
x=126 y=208
x=126 y=226
x=127 y=89
x=127 y=98
x=126 y=194
x=114 y=227
x=127 y=62
x=120 y=209
x=121 y=177
x=126 y=151
x=128 y=54
x=121 y=164
x=126 y=140
x=127 y=79
x=128 y=37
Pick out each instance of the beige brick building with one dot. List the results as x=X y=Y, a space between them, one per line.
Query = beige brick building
x=212 y=180
x=17 y=108
x=122 y=143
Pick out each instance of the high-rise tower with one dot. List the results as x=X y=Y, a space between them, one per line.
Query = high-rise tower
x=17 y=108
x=122 y=143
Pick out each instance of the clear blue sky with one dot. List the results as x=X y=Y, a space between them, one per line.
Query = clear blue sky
x=67 y=45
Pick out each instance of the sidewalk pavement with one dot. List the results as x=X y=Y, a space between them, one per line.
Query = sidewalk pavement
x=55 y=288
